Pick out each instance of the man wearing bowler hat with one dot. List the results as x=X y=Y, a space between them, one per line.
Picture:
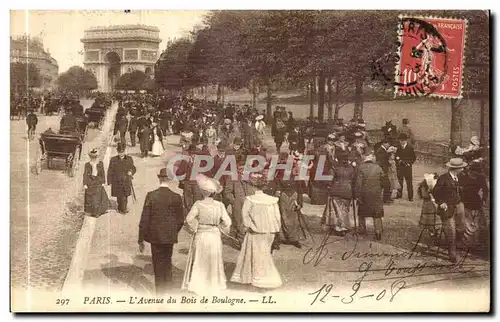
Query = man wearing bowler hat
x=161 y=220
x=405 y=157
x=120 y=172
x=448 y=196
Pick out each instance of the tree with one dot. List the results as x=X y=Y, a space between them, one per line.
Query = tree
x=23 y=77
x=476 y=70
x=172 y=70
x=135 y=80
x=76 y=80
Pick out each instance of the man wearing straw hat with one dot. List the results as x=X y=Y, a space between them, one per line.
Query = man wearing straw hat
x=161 y=220
x=448 y=196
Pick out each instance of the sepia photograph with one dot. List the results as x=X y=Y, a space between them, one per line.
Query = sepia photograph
x=250 y=161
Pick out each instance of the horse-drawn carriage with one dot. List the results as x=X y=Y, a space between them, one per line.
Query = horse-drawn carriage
x=67 y=147
x=96 y=115
x=82 y=127
x=53 y=105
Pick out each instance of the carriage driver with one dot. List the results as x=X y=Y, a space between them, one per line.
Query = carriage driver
x=68 y=123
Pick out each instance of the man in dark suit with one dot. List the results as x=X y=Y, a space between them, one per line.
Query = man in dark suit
x=132 y=128
x=123 y=124
x=31 y=121
x=382 y=156
x=405 y=157
x=161 y=220
x=450 y=208
x=120 y=172
x=296 y=140
x=145 y=139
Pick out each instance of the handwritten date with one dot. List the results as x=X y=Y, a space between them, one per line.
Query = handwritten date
x=324 y=292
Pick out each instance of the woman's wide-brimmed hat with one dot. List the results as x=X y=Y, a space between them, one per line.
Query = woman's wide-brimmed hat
x=358 y=134
x=430 y=179
x=237 y=140
x=94 y=153
x=208 y=184
x=332 y=137
x=259 y=117
x=227 y=121
x=474 y=140
x=257 y=179
x=456 y=163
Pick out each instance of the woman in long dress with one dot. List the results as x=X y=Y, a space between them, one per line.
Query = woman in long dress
x=337 y=211
x=429 y=220
x=261 y=219
x=157 y=149
x=205 y=268
x=96 y=199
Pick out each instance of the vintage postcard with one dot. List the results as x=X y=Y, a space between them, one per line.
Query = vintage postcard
x=250 y=161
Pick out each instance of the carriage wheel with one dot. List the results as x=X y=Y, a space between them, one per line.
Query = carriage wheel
x=38 y=166
x=74 y=163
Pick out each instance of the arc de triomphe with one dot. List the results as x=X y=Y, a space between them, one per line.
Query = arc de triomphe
x=116 y=50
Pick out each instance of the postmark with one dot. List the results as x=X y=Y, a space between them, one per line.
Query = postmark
x=430 y=57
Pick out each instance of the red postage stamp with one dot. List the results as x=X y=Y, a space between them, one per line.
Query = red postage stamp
x=431 y=56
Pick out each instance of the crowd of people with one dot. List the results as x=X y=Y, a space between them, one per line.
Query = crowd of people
x=258 y=215
x=258 y=212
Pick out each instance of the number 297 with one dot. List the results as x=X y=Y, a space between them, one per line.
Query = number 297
x=62 y=302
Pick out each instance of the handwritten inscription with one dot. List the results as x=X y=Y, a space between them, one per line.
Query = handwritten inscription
x=383 y=266
x=324 y=292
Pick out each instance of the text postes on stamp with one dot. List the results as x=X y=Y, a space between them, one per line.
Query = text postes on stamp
x=430 y=57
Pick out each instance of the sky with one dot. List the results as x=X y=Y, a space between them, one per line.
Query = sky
x=61 y=31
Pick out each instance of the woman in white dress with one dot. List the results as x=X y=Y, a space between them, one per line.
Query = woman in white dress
x=260 y=127
x=261 y=219
x=157 y=149
x=204 y=272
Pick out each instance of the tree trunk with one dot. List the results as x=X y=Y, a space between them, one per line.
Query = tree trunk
x=358 y=98
x=219 y=93
x=312 y=94
x=205 y=93
x=482 y=127
x=222 y=94
x=330 y=98
x=456 y=123
x=337 y=99
x=269 y=105
x=254 y=94
x=321 y=96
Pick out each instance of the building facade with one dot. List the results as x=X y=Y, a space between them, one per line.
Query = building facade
x=30 y=50
x=110 y=52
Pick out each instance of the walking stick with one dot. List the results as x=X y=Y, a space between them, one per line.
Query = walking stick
x=133 y=190
x=302 y=217
x=354 y=213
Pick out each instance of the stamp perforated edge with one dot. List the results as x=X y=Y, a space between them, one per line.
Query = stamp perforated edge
x=398 y=54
